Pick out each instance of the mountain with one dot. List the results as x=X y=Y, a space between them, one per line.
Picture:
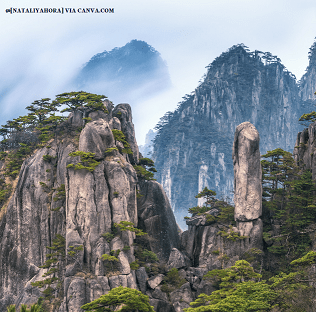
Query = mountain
x=193 y=145
x=135 y=70
x=147 y=149
x=73 y=204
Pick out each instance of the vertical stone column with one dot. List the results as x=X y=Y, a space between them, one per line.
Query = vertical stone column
x=247 y=183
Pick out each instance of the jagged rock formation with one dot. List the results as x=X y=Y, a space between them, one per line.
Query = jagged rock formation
x=80 y=205
x=305 y=149
x=192 y=148
x=308 y=81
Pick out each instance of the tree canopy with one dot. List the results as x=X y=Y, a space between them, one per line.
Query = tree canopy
x=124 y=298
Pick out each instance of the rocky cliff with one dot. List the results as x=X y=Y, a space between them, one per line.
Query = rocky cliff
x=76 y=208
x=192 y=148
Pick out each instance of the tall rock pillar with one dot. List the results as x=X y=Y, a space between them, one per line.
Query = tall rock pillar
x=247 y=183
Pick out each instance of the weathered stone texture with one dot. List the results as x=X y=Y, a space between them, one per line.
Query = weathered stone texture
x=92 y=203
x=157 y=219
x=247 y=173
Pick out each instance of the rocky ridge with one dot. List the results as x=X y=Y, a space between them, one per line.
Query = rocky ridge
x=81 y=207
x=53 y=199
x=192 y=148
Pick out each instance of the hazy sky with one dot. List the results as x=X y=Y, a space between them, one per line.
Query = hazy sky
x=39 y=53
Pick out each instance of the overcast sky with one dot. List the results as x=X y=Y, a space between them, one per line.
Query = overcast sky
x=40 y=53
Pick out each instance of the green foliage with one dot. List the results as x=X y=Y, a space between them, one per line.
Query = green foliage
x=87 y=161
x=226 y=211
x=15 y=160
x=289 y=199
x=143 y=173
x=308 y=259
x=3 y=155
x=252 y=254
x=87 y=119
x=111 y=149
x=138 y=194
x=145 y=170
x=119 y=136
x=148 y=164
x=5 y=191
x=149 y=256
x=61 y=193
x=110 y=261
x=227 y=282
x=148 y=259
x=134 y=265
x=120 y=299
x=172 y=281
x=74 y=250
x=34 y=308
x=310 y=117
x=48 y=158
x=129 y=226
x=126 y=248
x=239 y=288
x=108 y=236
x=231 y=234
x=82 y=101
x=278 y=168
x=246 y=297
x=54 y=264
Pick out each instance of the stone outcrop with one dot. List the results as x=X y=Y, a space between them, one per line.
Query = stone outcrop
x=157 y=219
x=206 y=243
x=248 y=186
x=82 y=205
x=247 y=173
x=192 y=148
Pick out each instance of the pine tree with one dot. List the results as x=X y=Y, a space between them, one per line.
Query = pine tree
x=123 y=298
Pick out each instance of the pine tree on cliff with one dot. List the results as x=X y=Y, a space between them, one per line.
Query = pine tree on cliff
x=127 y=299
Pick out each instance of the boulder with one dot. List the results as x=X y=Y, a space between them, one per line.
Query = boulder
x=161 y=305
x=177 y=260
x=158 y=294
x=154 y=281
x=182 y=297
x=142 y=278
x=157 y=219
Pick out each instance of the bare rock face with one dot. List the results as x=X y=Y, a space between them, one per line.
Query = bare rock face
x=248 y=185
x=247 y=173
x=124 y=113
x=156 y=218
x=178 y=260
x=81 y=206
x=96 y=137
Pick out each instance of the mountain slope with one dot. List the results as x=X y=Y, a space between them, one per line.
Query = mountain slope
x=193 y=146
x=134 y=68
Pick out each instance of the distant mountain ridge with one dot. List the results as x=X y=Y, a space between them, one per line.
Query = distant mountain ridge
x=124 y=70
x=193 y=146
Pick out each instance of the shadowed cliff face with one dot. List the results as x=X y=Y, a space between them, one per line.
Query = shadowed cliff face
x=80 y=205
x=193 y=146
